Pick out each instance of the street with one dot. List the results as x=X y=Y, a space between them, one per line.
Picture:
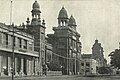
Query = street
x=65 y=78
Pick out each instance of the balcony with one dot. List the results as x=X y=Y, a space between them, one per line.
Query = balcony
x=18 y=50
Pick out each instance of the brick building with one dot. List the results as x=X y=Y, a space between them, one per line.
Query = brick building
x=37 y=28
x=97 y=54
x=66 y=44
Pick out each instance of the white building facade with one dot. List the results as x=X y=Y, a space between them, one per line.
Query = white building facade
x=25 y=58
x=88 y=65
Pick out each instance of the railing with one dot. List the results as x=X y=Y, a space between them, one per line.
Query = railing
x=53 y=73
x=18 y=50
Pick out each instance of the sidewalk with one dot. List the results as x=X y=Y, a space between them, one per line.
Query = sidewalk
x=34 y=77
x=52 y=77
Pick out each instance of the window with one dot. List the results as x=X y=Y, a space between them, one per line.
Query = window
x=12 y=40
x=20 y=42
x=82 y=64
x=70 y=42
x=25 y=44
x=87 y=64
x=30 y=46
x=74 y=44
x=6 y=39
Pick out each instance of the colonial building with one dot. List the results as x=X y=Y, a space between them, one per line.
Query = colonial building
x=25 y=58
x=97 y=53
x=66 y=44
x=37 y=28
x=88 y=65
x=29 y=46
x=48 y=53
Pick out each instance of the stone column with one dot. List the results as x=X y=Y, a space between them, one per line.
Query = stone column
x=2 y=70
x=28 y=69
x=9 y=66
x=0 y=64
x=16 y=63
x=36 y=66
x=75 y=64
x=21 y=71
x=32 y=67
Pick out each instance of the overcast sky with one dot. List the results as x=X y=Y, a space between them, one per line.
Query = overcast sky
x=95 y=18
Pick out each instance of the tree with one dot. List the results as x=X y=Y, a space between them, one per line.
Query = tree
x=115 y=58
x=53 y=66
x=103 y=70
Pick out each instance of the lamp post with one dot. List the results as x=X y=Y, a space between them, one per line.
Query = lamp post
x=13 y=43
x=13 y=54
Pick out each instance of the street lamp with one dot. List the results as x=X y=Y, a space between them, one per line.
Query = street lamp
x=13 y=54
x=13 y=40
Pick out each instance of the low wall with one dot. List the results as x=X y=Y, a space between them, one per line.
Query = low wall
x=54 y=73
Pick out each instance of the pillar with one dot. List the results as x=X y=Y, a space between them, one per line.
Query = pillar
x=3 y=62
x=29 y=66
x=75 y=64
x=9 y=66
x=0 y=64
x=32 y=67
x=36 y=66
x=16 y=63
x=21 y=71
x=28 y=73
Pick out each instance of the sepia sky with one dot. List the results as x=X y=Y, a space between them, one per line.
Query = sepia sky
x=95 y=18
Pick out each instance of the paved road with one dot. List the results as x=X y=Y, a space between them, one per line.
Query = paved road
x=65 y=78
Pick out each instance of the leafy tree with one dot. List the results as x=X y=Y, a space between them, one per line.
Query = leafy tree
x=54 y=66
x=115 y=58
x=103 y=70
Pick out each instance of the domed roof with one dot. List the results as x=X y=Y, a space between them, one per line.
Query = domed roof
x=63 y=13
x=72 y=21
x=36 y=5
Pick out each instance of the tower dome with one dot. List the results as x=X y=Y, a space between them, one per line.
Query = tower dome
x=36 y=5
x=96 y=41
x=72 y=21
x=35 y=13
x=63 y=14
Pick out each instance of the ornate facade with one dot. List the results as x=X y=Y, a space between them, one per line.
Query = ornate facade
x=37 y=29
x=25 y=58
x=97 y=53
x=29 y=47
x=66 y=44
x=88 y=65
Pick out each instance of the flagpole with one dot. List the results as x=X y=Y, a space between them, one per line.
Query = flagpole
x=10 y=12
